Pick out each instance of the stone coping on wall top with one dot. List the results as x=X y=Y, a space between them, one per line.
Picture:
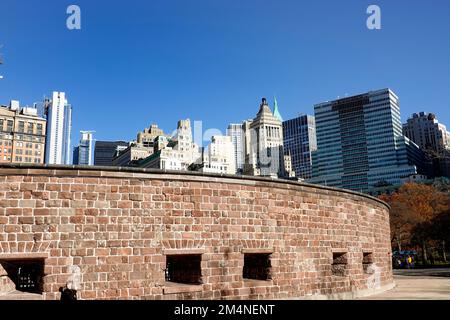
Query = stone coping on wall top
x=256 y=250
x=24 y=256
x=146 y=173
x=173 y=287
x=169 y=252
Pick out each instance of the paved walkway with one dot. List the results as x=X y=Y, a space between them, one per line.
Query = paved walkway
x=418 y=284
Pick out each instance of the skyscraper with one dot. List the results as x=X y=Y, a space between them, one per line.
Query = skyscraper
x=236 y=132
x=426 y=131
x=59 y=127
x=190 y=152
x=360 y=144
x=106 y=150
x=82 y=154
x=433 y=138
x=264 y=153
x=299 y=137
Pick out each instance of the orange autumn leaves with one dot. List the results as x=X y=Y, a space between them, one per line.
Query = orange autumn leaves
x=413 y=205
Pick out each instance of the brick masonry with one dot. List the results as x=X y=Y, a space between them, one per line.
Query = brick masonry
x=107 y=232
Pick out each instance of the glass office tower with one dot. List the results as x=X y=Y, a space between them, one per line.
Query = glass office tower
x=299 y=136
x=360 y=144
x=82 y=155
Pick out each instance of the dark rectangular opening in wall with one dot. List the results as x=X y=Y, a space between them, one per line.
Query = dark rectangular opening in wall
x=257 y=266
x=184 y=268
x=367 y=261
x=27 y=274
x=339 y=266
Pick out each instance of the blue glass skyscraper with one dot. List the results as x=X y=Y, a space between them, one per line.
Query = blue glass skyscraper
x=82 y=154
x=299 y=140
x=360 y=143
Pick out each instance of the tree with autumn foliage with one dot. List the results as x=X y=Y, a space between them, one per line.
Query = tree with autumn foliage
x=413 y=209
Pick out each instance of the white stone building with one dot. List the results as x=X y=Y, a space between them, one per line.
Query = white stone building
x=59 y=129
x=264 y=144
x=177 y=153
x=219 y=156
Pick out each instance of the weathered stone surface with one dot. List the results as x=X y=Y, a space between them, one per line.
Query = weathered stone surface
x=6 y=284
x=118 y=228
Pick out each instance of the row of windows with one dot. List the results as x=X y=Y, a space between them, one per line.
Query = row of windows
x=27 y=159
x=186 y=269
x=26 y=152
x=29 y=138
x=31 y=127
x=28 y=145
x=28 y=274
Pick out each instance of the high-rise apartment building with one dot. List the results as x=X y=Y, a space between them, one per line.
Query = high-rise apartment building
x=425 y=131
x=59 y=129
x=360 y=144
x=22 y=135
x=237 y=134
x=82 y=154
x=299 y=140
x=433 y=138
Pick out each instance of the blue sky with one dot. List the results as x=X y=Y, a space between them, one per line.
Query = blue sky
x=134 y=63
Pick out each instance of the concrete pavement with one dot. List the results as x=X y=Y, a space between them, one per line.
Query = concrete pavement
x=418 y=284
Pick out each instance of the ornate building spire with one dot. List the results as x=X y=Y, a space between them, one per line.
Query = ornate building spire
x=276 y=112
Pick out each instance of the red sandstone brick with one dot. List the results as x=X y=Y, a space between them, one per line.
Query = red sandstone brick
x=8 y=203
x=263 y=212
x=13 y=211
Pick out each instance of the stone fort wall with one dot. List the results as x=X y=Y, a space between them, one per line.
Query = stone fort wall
x=110 y=233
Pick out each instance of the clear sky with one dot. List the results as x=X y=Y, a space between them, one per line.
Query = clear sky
x=134 y=63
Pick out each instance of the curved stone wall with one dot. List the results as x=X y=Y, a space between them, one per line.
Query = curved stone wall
x=108 y=233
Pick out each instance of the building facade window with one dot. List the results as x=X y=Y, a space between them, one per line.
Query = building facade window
x=367 y=261
x=184 y=269
x=257 y=266
x=27 y=274
x=21 y=127
x=30 y=128
x=9 y=126
x=339 y=265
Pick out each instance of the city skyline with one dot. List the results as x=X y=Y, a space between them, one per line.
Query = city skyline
x=174 y=150
x=296 y=67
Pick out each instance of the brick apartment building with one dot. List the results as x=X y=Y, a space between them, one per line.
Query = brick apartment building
x=22 y=134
